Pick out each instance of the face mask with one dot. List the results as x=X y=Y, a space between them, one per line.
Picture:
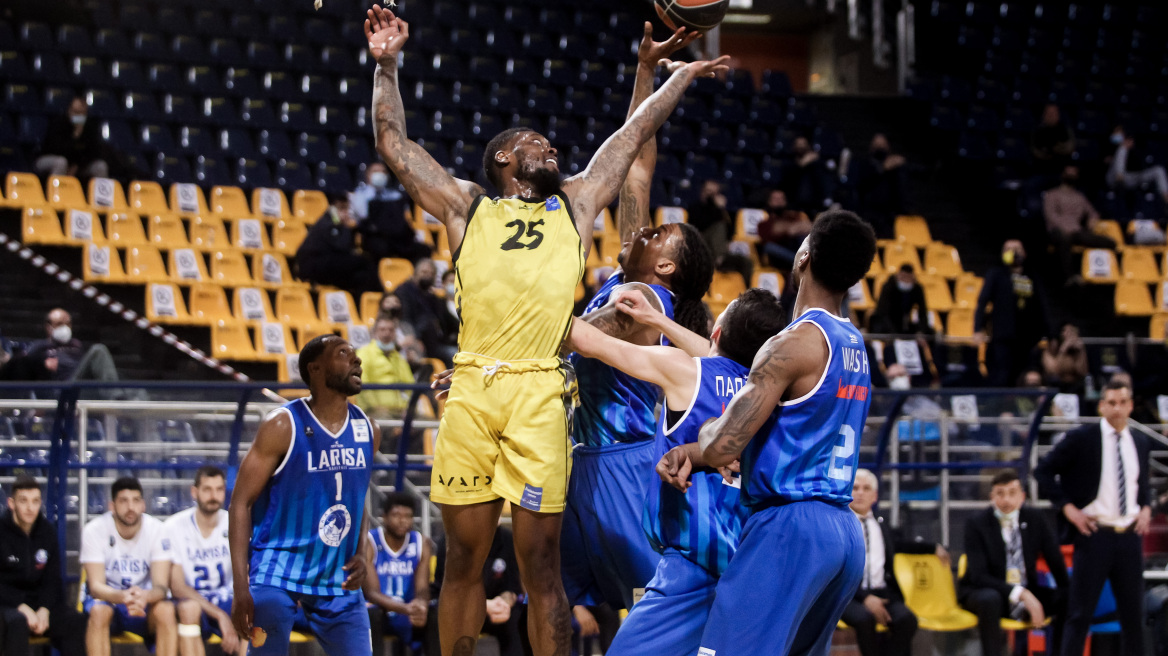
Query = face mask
x=62 y=334
x=77 y=119
x=905 y=287
x=880 y=154
x=1006 y=518
x=1013 y=258
x=450 y=292
x=386 y=346
x=900 y=383
x=425 y=283
x=379 y=179
x=1117 y=138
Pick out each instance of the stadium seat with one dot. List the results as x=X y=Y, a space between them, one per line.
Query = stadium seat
x=1139 y=264
x=144 y=265
x=394 y=271
x=929 y=593
x=187 y=200
x=208 y=305
x=249 y=235
x=960 y=324
x=65 y=191
x=1157 y=326
x=40 y=225
x=1132 y=299
x=187 y=266
x=666 y=214
x=294 y=307
x=877 y=267
x=271 y=270
x=288 y=235
x=746 y=224
x=270 y=204
x=899 y=253
x=913 y=230
x=1161 y=295
x=966 y=290
x=768 y=279
x=24 y=189
x=859 y=298
x=942 y=260
x=229 y=203
x=725 y=287
x=229 y=268
x=1099 y=266
x=370 y=307
x=164 y=304
x=1110 y=228
x=337 y=307
x=105 y=193
x=167 y=231
x=125 y=230
x=252 y=304
x=937 y=295
x=273 y=341
x=209 y=234
x=102 y=264
x=231 y=341
x=81 y=226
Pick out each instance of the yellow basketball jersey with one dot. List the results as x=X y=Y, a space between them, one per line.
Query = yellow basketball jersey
x=518 y=267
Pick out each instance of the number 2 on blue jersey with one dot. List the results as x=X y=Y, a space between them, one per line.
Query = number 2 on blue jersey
x=843 y=453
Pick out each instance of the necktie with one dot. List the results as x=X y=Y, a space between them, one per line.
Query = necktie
x=867 y=556
x=1014 y=559
x=1122 y=482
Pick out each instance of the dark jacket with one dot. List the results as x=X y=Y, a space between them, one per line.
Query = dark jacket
x=80 y=151
x=68 y=357
x=326 y=240
x=1019 y=306
x=30 y=565
x=500 y=571
x=892 y=546
x=893 y=313
x=986 y=552
x=427 y=313
x=1070 y=472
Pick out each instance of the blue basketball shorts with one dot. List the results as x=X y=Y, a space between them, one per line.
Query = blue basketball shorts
x=122 y=621
x=670 y=618
x=340 y=623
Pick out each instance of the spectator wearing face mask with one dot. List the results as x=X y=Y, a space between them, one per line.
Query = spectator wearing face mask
x=783 y=231
x=1020 y=316
x=383 y=363
x=329 y=254
x=880 y=185
x=62 y=357
x=422 y=309
x=901 y=309
x=1118 y=175
x=382 y=216
x=73 y=145
x=805 y=178
x=1071 y=221
x=451 y=291
x=709 y=214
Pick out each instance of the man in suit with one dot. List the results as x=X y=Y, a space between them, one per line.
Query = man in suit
x=1098 y=477
x=879 y=600
x=1002 y=545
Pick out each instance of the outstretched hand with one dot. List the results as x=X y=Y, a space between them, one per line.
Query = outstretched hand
x=651 y=52
x=698 y=68
x=386 y=35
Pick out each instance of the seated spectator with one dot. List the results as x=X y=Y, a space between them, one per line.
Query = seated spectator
x=383 y=363
x=426 y=313
x=1052 y=143
x=73 y=145
x=32 y=595
x=1020 y=317
x=502 y=587
x=804 y=178
x=200 y=577
x=448 y=286
x=1002 y=544
x=783 y=231
x=382 y=215
x=397 y=582
x=901 y=309
x=329 y=253
x=879 y=600
x=1119 y=177
x=879 y=180
x=62 y=357
x=407 y=339
x=711 y=217
x=127 y=558
x=1064 y=360
x=1071 y=221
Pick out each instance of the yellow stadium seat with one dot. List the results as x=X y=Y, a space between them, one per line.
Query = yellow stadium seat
x=187 y=266
x=249 y=235
x=288 y=235
x=209 y=304
x=148 y=198
x=229 y=203
x=394 y=271
x=82 y=226
x=442 y=247
x=271 y=270
x=1132 y=299
x=229 y=268
x=961 y=324
x=928 y=589
x=251 y=305
x=768 y=279
x=1110 y=228
x=209 y=234
x=423 y=220
x=937 y=295
x=912 y=230
x=942 y=260
x=273 y=340
x=1139 y=264
x=164 y=304
x=294 y=307
x=724 y=288
x=603 y=223
x=167 y=231
x=1158 y=324
x=231 y=341
x=311 y=330
x=370 y=307
x=144 y=265
x=670 y=214
x=107 y=194
x=308 y=205
x=24 y=189
x=580 y=292
x=860 y=298
x=102 y=264
x=746 y=224
x=1162 y=296
x=40 y=225
x=65 y=191
x=1099 y=266
x=188 y=200
x=744 y=248
x=877 y=267
x=125 y=230
x=966 y=290
x=900 y=253
x=337 y=307
x=270 y=204
x=610 y=248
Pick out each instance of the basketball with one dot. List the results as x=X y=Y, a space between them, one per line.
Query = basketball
x=700 y=15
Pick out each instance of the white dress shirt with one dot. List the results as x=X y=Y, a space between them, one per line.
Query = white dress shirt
x=1105 y=507
x=874 y=556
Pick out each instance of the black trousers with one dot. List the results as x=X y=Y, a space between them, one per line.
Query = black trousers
x=1101 y=557
x=66 y=631
x=898 y=639
x=990 y=607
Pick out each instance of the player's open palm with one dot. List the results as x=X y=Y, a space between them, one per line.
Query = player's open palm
x=650 y=52
x=386 y=35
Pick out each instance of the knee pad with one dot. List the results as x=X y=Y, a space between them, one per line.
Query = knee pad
x=190 y=631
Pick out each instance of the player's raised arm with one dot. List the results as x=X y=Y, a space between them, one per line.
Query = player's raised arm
x=596 y=186
x=783 y=360
x=427 y=183
x=622 y=326
x=646 y=313
x=271 y=445
x=668 y=368
x=632 y=213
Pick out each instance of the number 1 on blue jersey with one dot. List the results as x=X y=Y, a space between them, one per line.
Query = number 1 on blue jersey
x=340 y=481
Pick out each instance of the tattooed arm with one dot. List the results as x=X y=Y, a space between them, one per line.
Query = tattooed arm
x=596 y=187
x=427 y=183
x=622 y=326
x=664 y=366
x=793 y=361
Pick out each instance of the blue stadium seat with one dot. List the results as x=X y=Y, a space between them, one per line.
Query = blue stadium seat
x=251 y=173
x=209 y=22
x=226 y=52
x=543 y=101
x=468 y=94
x=771 y=171
x=21 y=98
x=449 y=67
x=574 y=47
x=47 y=67
x=296 y=116
x=559 y=73
x=740 y=84
x=485 y=125
x=210 y=172
x=700 y=167
x=298 y=57
x=274 y=145
x=692 y=110
x=316 y=88
x=112 y=43
x=180 y=109
x=292 y=175
x=135 y=18
x=538 y=45
x=156 y=139
x=257 y=113
x=501 y=42
x=449 y=126
x=320 y=32
x=245 y=25
x=57 y=100
x=776 y=85
x=729 y=111
x=361 y=118
x=556 y=21
x=1012 y=149
x=740 y=169
x=714 y=138
x=945 y=118
x=504 y=98
x=127 y=75
x=577 y=160
x=1018 y=120
x=36 y=36
x=280 y=85
x=204 y=81
x=354 y=90
x=612 y=48
x=991 y=92
x=219 y=111
x=467 y=156
x=597 y=130
x=172 y=19
x=353 y=150
x=141 y=107
x=314 y=147
x=263 y=55
x=103 y=103
x=149 y=46
x=677 y=137
x=428 y=95
x=486 y=15
x=766 y=112
x=596 y=75
x=165 y=78
x=334 y=119
x=331 y=177
x=74 y=40
x=982 y=119
x=8 y=39
x=973 y=146
x=429 y=39
x=117 y=133
x=31 y=128
x=614 y=103
x=467 y=43
x=438 y=150
x=13 y=66
x=187 y=49
x=337 y=60
x=753 y=140
x=241 y=82
x=580 y=103
x=587 y=21
x=522 y=72
x=169 y=169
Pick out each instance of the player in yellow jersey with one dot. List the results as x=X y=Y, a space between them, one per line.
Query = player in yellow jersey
x=519 y=258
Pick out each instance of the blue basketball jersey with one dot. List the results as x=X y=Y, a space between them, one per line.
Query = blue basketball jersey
x=811 y=446
x=306 y=522
x=614 y=407
x=702 y=524
x=395 y=569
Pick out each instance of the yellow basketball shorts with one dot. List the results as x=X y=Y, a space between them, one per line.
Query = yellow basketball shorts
x=506 y=432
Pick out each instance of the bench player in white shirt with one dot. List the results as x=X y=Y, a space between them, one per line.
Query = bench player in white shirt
x=126 y=557
x=200 y=579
